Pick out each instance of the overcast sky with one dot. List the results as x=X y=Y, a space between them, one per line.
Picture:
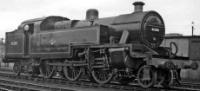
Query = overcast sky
x=177 y=14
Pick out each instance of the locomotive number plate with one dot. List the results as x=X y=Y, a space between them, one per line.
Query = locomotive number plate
x=155 y=29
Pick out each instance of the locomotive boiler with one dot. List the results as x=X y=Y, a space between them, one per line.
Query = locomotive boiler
x=113 y=48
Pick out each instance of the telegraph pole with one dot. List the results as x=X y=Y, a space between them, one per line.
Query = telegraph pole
x=192 y=28
x=1 y=41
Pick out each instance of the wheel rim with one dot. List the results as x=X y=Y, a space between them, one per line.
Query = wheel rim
x=47 y=70
x=72 y=73
x=102 y=76
x=146 y=76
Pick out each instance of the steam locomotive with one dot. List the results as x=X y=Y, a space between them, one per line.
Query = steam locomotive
x=116 y=48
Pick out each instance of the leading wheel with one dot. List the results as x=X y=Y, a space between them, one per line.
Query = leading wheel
x=47 y=70
x=146 y=76
x=72 y=73
x=169 y=78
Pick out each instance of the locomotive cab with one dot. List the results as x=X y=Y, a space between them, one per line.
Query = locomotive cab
x=18 y=41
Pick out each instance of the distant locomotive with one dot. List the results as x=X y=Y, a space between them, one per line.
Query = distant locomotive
x=114 y=48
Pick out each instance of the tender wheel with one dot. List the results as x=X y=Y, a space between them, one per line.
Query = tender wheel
x=72 y=73
x=17 y=68
x=47 y=70
x=146 y=76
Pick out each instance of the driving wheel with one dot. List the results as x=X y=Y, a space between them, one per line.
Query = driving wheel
x=100 y=73
x=72 y=73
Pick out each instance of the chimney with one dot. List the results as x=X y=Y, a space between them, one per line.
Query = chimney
x=92 y=14
x=138 y=6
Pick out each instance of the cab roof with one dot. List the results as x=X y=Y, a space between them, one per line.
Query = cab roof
x=34 y=20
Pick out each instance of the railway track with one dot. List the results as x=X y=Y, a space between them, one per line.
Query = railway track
x=9 y=81
x=190 y=85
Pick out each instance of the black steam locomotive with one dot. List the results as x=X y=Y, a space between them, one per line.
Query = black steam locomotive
x=115 y=48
